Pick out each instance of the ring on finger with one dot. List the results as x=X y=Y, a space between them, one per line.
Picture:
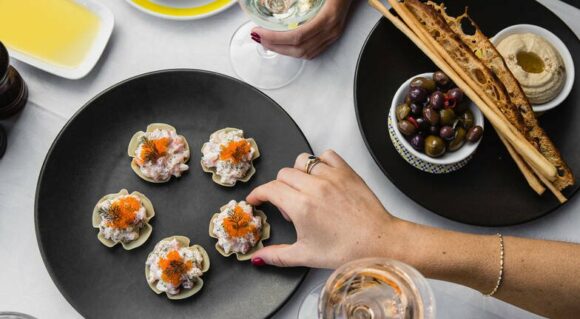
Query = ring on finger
x=312 y=161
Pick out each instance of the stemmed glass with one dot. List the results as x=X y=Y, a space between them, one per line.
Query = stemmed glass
x=254 y=64
x=372 y=288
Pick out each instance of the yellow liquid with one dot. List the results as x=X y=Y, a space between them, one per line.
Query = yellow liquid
x=56 y=31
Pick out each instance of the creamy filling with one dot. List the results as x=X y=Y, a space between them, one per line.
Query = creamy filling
x=227 y=170
x=240 y=238
x=187 y=279
x=162 y=165
x=109 y=226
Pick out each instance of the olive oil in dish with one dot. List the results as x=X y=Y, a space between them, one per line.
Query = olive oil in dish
x=59 y=32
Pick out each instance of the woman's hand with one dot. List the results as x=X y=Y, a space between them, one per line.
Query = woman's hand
x=336 y=216
x=310 y=39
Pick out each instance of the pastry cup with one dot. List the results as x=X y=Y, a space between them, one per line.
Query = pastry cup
x=184 y=293
x=144 y=232
x=136 y=140
x=264 y=234
x=216 y=178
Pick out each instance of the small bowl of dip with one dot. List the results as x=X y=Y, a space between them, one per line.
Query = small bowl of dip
x=540 y=61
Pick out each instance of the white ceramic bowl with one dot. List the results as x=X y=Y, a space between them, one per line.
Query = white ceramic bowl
x=560 y=47
x=449 y=157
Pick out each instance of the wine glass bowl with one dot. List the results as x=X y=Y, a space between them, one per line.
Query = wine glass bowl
x=281 y=15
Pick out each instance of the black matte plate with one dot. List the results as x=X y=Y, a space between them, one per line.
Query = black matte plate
x=490 y=190
x=89 y=159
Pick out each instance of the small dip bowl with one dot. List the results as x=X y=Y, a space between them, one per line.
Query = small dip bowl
x=450 y=161
x=558 y=45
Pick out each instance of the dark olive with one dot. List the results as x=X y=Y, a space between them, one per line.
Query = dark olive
x=447 y=133
x=436 y=100
x=456 y=94
x=426 y=83
x=434 y=130
x=434 y=146
x=423 y=125
x=467 y=119
x=474 y=134
x=407 y=128
x=431 y=116
x=416 y=108
x=418 y=94
x=441 y=79
x=447 y=117
x=402 y=111
x=458 y=140
x=417 y=142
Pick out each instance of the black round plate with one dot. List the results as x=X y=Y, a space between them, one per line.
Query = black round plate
x=490 y=190
x=89 y=159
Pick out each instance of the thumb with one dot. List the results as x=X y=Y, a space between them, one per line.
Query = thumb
x=277 y=255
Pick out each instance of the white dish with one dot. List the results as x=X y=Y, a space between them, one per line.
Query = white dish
x=560 y=47
x=106 y=23
x=449 y=157
x=181 y=9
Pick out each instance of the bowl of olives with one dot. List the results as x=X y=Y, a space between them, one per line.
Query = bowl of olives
x=435 y=121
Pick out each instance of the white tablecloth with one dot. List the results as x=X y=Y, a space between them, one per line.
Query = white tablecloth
x=141 y=43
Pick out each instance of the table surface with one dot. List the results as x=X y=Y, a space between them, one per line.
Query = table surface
x=141 y=43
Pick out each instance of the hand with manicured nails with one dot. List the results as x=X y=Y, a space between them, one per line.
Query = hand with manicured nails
x=310 y=39
x=334 y=212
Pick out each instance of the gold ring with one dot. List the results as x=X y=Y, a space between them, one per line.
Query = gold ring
x=312 y=161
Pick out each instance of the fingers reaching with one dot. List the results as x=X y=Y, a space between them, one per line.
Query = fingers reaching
x=276 y=192
x=278 y=255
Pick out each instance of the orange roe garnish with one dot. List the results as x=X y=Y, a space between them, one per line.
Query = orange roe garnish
x=151 y=150
x=173 y=267
x=237 y=224
x=122 y=212
x=235 y=151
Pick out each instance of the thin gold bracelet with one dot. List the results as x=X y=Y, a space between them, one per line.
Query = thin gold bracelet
x=501 y=261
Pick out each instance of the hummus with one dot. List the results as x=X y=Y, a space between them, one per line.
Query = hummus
x=536 y=64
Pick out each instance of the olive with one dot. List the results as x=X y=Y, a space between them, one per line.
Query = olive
x=418 y=94
x=426 y=83
x=474 y=134
x=441 y=79
x=407 y=128
x=458 y=140
x=417 y=142
x=467 y=119
x=447 y=133
x=434 y=130
x=447 y=117
x=402 y=111
x=416 y=108
x=431 y=116
x=434 y=146
x=422 y=123
x=436 y=100
x=456 y=94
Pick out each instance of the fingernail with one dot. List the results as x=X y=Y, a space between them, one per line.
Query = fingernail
x=258 y=262
x=255 y=35
x=257 y=40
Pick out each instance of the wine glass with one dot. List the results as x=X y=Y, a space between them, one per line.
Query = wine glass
x=371 y=288
x=254 y=64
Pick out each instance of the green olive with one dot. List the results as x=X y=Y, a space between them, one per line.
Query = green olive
x=431 y=116
x=402 y=111
x=426 y=83
x=407 y=128
x=458 y=140
x=434 y=146
x=447 y=117
x=467 y=119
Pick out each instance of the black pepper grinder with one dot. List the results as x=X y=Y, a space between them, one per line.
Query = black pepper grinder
x=13 y=93
x=13 y=90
